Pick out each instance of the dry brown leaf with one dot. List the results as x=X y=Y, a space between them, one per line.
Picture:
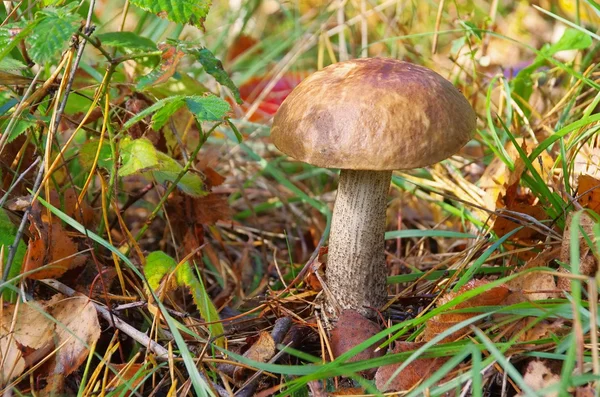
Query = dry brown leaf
x=126 y=373
x=538 y=375
x=32 y=330
x=410 y=376
x=497 y=176
x=77 y=328
x=536 y=285
x=262 y=351
x=589 y=189
x=543 y=330
x=585 y=391
x=521 y=204
x=53 y=247
x=81 y=212
x=438 y=324
x=351 y=330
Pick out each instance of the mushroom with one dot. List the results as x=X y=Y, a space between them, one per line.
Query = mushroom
x=369 y=117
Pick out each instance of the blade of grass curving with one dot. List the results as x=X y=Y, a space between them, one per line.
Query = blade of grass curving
x=465 y=278
x=410 y=233
x=506 y=365
x=437 y=274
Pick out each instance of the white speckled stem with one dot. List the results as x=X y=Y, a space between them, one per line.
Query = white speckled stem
x=356 y=270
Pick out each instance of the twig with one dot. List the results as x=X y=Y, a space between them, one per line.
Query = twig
x=136 y=335
x=19 y=179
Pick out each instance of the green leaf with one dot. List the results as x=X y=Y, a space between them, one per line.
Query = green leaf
x=52 y=33
x=128 y=41
x=9 y=64
x=87 y=154
x=571 y=39
x=238 y=134
x=214 y=67
x=20 y=126
x=12 y=34
x=207 y=108
x=8 y=231
x=168 y=170
x=159 y=264
x=180 y=11
x=151 y=109
x=138 y=156
x=163 y=114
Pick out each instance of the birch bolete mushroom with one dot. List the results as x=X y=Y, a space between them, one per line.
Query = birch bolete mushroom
x=368 y=117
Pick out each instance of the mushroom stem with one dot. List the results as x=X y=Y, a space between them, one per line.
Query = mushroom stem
x=356 y=270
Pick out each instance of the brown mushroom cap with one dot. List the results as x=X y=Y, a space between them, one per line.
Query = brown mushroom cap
x=373 y=114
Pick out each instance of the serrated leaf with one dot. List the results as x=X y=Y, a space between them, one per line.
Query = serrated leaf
x=168 y=170
x=180 y=11
x=163 y=114
x=12 y=34
x=9 y=64
x=159 y=264
x=214 y=67
x=52 y=33
x=19 y=127
x=151 y=109
x=87 y=154
x=8 y=231
x=128 y=41
x=207 y=108
x=138 y=156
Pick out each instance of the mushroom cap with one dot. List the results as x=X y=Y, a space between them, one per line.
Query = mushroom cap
x=373 y=114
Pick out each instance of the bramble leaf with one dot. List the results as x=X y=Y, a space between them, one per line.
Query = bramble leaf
x=179 y=11
x=207 y=108
x=128 y=41
x=138 y=156
x=52 y=34
x=159 y=264
x=214 y=67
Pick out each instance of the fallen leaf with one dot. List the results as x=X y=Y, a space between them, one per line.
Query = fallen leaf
x=132 y=373
x=497 y=177
x=76 y=329
x=538 y=376
x=30 y=331
x=518 y=204
x=410 y=376
x=81 y=212
x=51 y=252
x=536 y=285
x=351 y=330
x=440 y=323
x=262 y=351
